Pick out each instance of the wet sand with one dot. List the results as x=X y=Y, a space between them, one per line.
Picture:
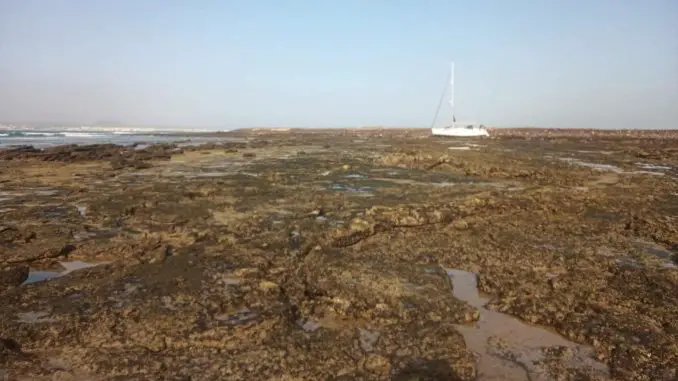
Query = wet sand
x=343 y=255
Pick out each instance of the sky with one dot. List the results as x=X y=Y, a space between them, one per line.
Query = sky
x=342 y=63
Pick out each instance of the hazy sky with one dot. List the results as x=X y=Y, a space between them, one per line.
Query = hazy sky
x=551 y=63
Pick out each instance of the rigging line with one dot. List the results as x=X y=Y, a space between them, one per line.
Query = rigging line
x=440 y=102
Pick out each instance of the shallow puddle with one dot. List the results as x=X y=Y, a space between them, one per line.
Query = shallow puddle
x=600 y=167
x=508 y=349
x=629 y=262
x=8 y=196
x=389 y=171
x=309 y=325
x=658 y=251
x=56 y=211
x=85 y=235
x=47 y=192
x=223 y=165
x=34 y=317
x=368 y=339
x=417 y=183
x=39 y=276
x=653 y=167
x=597 y=152
x=646 y=173
x=646 y=169
x=35 y=276
x=191 y=174
x=347 y=188
x=209 y=174
x=652 y=248
x=227 y=280
x=30 y=191
x=242 y=317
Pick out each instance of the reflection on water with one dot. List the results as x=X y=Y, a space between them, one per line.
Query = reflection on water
x=415 y=182
x=56 y=211
x=365 y=191
x=508 y=349
x=652 y=248
x=196 y=174
x=89 y=234
x=600 y=167
x=647 y=169
x=651 y=167
x=664 y=255
x=355 y=176
x=309 y=325
x=647 y=254
x=46 y=192
x=39 y=276
x=55 y=137
x=33 y=317
x=463 y=148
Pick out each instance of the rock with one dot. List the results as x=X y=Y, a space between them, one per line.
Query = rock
x=555 y=283
x=266 y=285
x=310 y=326
x=9 y=346
x=245 y=272
x=460 y=224
x=160 y=254
x=66 y=250
x=377 y=364
x=295 y=239
x=358 y=224
x=62 y=375
x=471 y=316
x=13 y=276
x=367 y=339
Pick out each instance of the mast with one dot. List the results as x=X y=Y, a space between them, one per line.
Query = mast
x=454 y=120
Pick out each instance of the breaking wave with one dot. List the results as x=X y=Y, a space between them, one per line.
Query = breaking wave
x=24 y=134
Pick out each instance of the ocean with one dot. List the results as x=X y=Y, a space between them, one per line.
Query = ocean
x=53 y=137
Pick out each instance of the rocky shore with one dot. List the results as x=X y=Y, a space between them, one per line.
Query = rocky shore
x=343 y=255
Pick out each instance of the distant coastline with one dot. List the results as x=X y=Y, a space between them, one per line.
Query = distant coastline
x=121 y=129
x=31 y=131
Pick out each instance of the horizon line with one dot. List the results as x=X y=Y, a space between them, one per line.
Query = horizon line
x=166 y=128
x=4 y=124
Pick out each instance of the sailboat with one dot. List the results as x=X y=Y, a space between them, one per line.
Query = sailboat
x=455 y=129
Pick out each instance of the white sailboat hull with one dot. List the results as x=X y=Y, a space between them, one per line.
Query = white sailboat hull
x=456 y=131
x=468 y=129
